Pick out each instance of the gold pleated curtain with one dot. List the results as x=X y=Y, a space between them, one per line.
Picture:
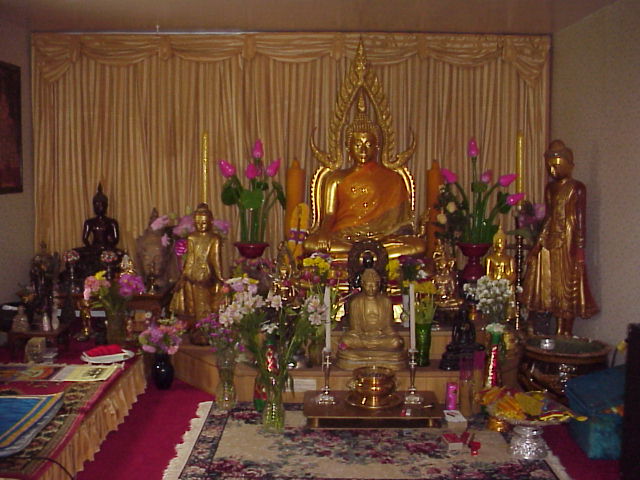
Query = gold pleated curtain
x=129 y=111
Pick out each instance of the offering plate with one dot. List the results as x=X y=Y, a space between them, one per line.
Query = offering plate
x=373 y=387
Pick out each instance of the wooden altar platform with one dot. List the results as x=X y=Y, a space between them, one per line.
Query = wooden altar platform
x=196 y=365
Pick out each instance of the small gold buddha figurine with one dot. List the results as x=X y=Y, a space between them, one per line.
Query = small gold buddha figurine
x=373 y=196
x=447 y=297
x=199 y=289
x=498 y=263
x=556 y=275
x=284 y=284
x=371 y=339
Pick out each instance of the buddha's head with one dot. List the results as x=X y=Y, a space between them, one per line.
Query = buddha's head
x=100 y=202
x=202 y=218
x=370 y=281
x=559 y=160
x=499 y=240
x=361 y=135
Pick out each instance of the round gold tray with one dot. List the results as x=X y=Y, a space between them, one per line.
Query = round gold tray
x=357 y=400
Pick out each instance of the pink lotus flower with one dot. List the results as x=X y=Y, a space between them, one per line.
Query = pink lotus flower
x=448 y=175
x=180 y=247
x=487 y=177
x=472 y=148
x=226 y=169
x=506 y=180
x=257 y=151
x=252 y=171
x=514 y=199
x=272 y=169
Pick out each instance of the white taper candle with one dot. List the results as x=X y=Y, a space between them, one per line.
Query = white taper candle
x=412 y=315
x=327 y=322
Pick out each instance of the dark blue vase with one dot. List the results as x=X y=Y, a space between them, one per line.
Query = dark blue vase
x=162 y=371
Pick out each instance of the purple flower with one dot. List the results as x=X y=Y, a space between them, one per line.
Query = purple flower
x=180 y=247
x=165 y=240
x=257 y=151
x=130 y=285
x=149 y=348
x=514 y=199
x=252 y=171
x=539 y=210
x=472 y=148
x=272 y=169
x=185 y=226
x=487 y=177
x=222 y=225
x=506 y=180
x=226 y=169
x=159 y=223
x=448 y=175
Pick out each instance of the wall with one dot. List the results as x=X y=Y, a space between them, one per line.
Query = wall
x=16 y=209
x=596 y=111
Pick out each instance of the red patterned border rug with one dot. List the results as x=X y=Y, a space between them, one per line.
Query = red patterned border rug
x=231 y=446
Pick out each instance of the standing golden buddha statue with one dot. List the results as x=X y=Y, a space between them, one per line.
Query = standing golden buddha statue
x=373 y=197
x=556 y=276
x=371 y=339
x=199 y=288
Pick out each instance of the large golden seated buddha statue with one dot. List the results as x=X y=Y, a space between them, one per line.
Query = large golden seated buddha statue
x=372 y=197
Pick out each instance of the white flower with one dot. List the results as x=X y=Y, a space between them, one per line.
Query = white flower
x=451 y=207
x=274 y=301
x=441 y=218
x=269 y=328
x=316 y=319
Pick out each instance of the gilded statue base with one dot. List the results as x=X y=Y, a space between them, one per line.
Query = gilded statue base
x=352 y=359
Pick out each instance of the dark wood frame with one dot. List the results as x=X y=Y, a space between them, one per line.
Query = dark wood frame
x=10 y=129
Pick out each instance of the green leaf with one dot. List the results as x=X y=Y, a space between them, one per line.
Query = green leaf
x=279 y=193
x=261 y=185
x=230 y=194
x=251 y=199
x=478 y=187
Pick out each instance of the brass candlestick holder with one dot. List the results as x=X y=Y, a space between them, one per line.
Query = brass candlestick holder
x=412 y=397
x=326 y=398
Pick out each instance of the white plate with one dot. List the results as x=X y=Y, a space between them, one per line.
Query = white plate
x=116 y=357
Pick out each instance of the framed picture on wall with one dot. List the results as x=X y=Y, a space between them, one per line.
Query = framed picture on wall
x=10 y=129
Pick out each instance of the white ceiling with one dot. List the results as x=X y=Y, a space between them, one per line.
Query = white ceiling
x=468 y=16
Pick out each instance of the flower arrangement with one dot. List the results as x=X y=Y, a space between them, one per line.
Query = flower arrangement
x=163 y=336
x=315 y=271
x=530 y=220
x=493 y=297
x=70 y=256
x=220 y=336
x=426 y=304
x=255 y=201
x=464 y=217
x=405 y=269
x=112 y=296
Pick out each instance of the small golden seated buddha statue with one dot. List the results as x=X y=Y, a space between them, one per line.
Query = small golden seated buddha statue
x=447 y=297
x=373 y=196
x=498 y=263
x=371 y=339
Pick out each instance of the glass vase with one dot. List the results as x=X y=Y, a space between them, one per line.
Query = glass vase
x=273 y=412
x=493 y=367
x=162 y=371
x=226 y=390
x=116 y=327
x=423 y=343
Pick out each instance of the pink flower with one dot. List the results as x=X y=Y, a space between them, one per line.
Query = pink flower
x=226 y=169
x=514 y=199
x=472 y=148
x=165 y=240
x=252 y=171
x=539 y=210
x=272 y=169
x=159 y=223
x=506 y=180
x=448 y=175
x=486 y=177
x=185 y=226
x=257 y=151
x=221 y=225
x=180 y=247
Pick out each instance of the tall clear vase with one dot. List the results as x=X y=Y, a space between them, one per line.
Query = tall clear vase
x=273 y=413
x=226 y=390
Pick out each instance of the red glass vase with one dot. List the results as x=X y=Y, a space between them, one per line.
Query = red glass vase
x=474 y=252
x=251 y=250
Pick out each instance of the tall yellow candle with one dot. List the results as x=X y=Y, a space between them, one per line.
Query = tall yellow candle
x=520 y=162
x=204 y=190
x=294 y=190
x=434 y=180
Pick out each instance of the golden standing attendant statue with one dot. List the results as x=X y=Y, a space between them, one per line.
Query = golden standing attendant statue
x=373 y=197
x=198 y=290
x=556 y=277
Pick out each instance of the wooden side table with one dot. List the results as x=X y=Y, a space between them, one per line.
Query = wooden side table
x=17 y=340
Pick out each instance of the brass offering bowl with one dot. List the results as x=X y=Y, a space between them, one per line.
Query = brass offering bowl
x=373 y=387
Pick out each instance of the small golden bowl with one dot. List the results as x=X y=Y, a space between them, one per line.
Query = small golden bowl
x=373 y=387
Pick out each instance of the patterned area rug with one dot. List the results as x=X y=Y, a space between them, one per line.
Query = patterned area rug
x=231 y=446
